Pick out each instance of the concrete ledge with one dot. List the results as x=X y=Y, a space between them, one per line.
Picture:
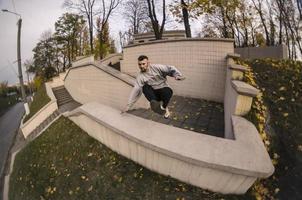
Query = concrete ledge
x=244 y=88
x=42 y=114
x=182 y=40
x=38 y=118
x=112 y=58
x=238 y=67
x=233 y=55
x=109 y=70
x=82 y=60
x=217 y=164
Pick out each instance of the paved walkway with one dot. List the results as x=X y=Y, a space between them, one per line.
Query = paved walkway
x=9 y=124
x=197 y=115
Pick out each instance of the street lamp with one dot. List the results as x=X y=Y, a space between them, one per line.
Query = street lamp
x=19 y=60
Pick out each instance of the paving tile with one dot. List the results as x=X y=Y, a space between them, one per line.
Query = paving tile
x=176 y=123
x=192 y=114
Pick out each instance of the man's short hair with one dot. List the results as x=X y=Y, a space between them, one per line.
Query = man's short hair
x=142 y=57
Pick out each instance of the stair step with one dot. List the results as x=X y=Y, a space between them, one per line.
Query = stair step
x=59 y=87
x=64 y=100
x=66 y=97
x=61 y=92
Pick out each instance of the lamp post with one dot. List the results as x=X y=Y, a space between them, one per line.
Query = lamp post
x=19 y=60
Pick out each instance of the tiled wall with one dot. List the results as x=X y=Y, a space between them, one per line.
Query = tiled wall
x=203 y=62
x=88 y=84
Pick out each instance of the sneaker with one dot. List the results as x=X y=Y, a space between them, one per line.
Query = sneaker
x=167 y=114
x=156 y=107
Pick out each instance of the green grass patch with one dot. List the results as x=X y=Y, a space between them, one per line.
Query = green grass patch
x=277 y=114
x=6 y=102
x=40 y=99
x=65 y=163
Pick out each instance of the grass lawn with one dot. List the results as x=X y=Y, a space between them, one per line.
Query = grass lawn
x=6 y=102
x=65 y=163
x=277 y=114
x=40 y=99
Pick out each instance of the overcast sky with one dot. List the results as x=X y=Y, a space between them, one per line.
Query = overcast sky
x=37 y=17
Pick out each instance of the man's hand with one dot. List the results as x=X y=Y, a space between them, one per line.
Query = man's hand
x=180 y=78
x=125 y=110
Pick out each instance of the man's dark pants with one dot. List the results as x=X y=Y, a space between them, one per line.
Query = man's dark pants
x=162 y=94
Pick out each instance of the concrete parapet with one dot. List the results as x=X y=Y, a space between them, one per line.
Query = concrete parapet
x=82 y=60
x=218 y=164
x=93 y=81
x=42 y=114
x=276 y=52
x=238 y=95
x=112 y=59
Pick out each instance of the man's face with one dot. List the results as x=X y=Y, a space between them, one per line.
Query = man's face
x=143 y=65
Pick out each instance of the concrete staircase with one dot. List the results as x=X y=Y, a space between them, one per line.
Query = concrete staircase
x=61 y=95
x=65 y=103
x=43 y=125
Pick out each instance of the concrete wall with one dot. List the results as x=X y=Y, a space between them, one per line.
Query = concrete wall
x=217 y=164
x=238 y=96
x=277 y=52
x=112 y=58
x=92 y=83
x=42 y=114
x=202 y=61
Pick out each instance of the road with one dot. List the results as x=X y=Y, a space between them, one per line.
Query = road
x=9 y=124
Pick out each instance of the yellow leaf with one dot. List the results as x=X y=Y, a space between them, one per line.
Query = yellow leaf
x=281 y=98
x=48 y=190
x=285 y=114
x=276 y=156
x=277 y=190
x=282 y=88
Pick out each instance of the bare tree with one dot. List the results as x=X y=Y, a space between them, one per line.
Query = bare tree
x=85 y=8
x=185 y=14
x=136 y=14
x=158 y=29
x=299 y=4
x=259 y=8
x=105 y=12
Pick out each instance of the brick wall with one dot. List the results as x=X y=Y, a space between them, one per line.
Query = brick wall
x=202 y=61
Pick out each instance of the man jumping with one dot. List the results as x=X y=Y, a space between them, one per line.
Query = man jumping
x=152 y=82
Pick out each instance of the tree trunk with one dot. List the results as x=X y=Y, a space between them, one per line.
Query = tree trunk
x=280 y=29
x=287 y=43
x=152 y=14
x=225 y=33
x=69 y=54
x=91 y=36
x=299 y=3
x=259 y=10
x=185 y=15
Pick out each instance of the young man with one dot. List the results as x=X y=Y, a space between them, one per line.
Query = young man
x=152 y=82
